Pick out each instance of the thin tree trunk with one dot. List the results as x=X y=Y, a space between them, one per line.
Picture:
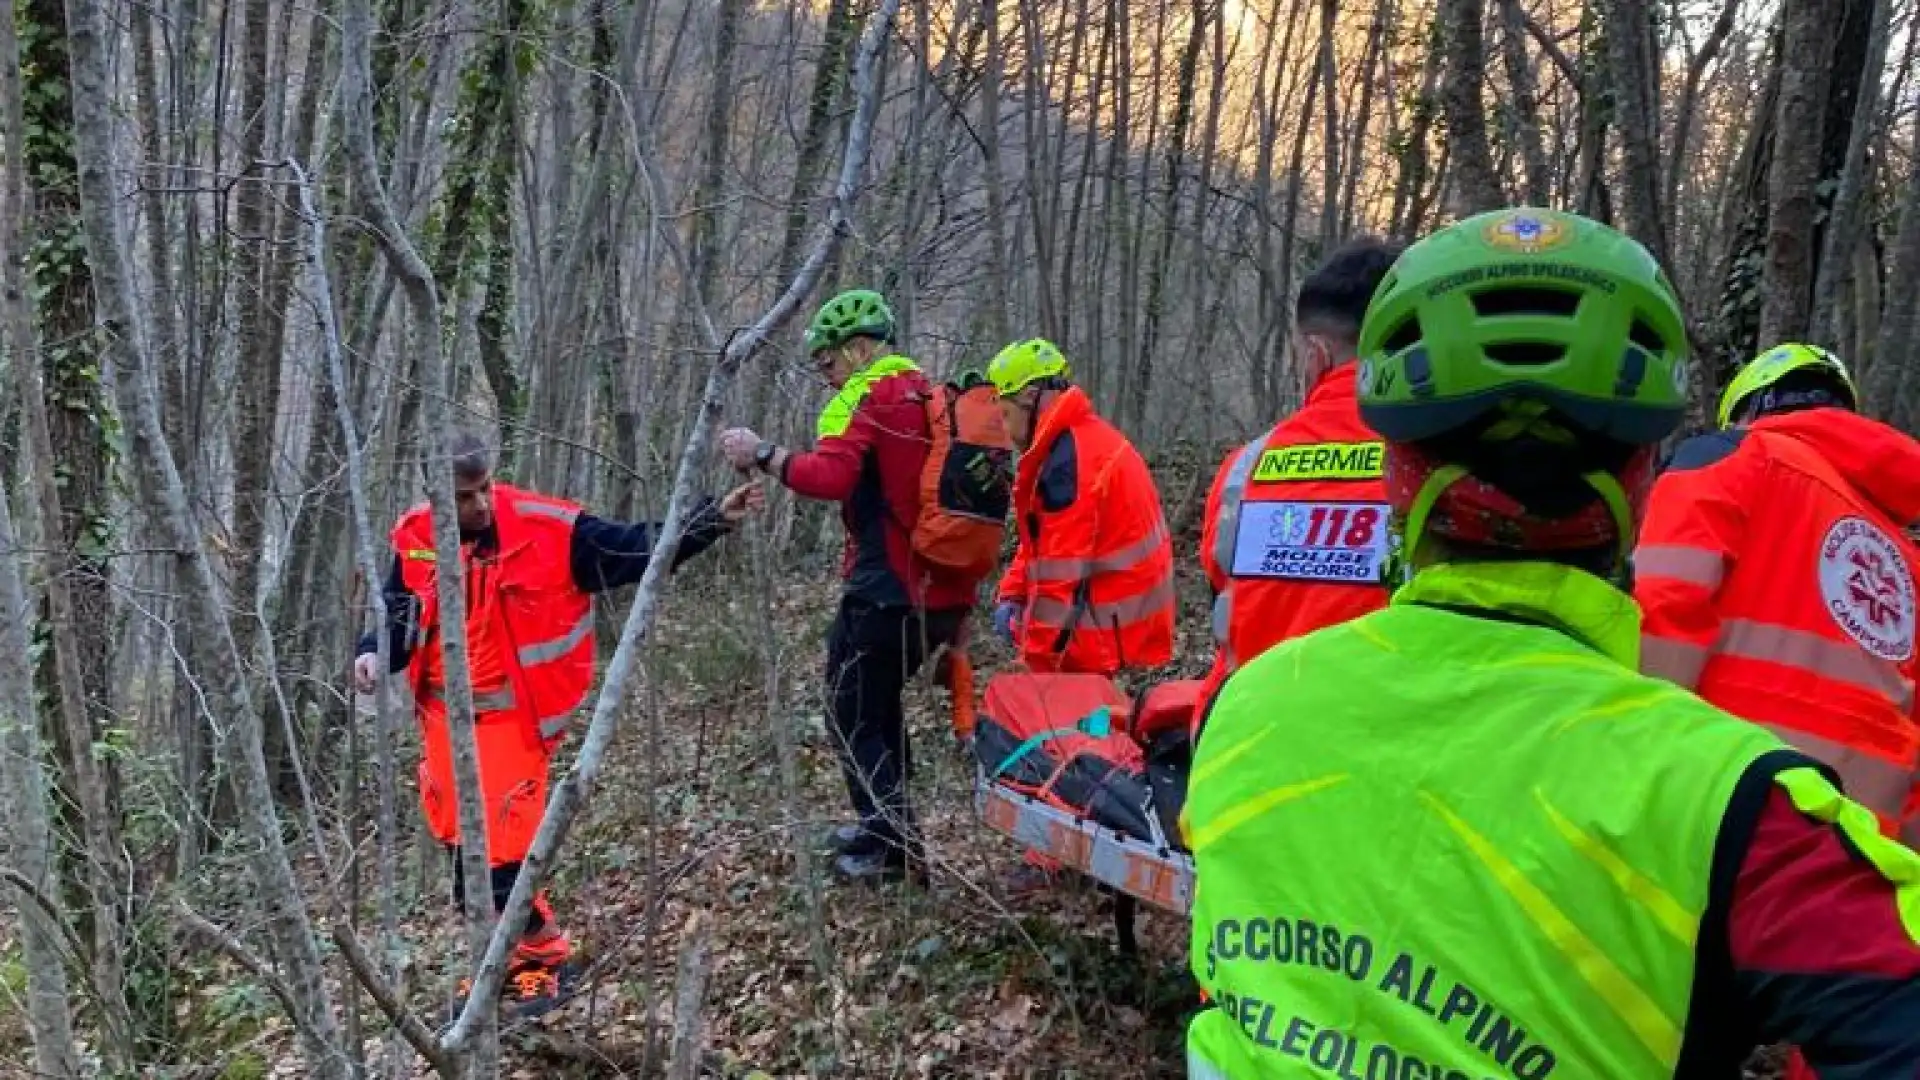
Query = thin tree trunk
x=999 y=290
x=23 y=785
x=1139 y=389
x=1526 y=101
x=1631 y=48
x=417 y=278
x=1848 y=219
x=220 y=668
x=1788 y=296
x=1478 y=187
x=1679 y=152
x=1894 y=352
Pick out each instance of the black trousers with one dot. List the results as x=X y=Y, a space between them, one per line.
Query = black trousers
x=871 y=653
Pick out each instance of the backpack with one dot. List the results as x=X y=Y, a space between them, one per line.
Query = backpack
x=966 y=485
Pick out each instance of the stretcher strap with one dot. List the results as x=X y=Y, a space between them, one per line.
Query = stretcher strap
x=1098 y=723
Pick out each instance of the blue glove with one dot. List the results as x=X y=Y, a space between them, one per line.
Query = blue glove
x=1007 y=620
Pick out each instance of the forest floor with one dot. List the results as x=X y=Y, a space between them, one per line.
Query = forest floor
x=685 y=831
x=955 y=980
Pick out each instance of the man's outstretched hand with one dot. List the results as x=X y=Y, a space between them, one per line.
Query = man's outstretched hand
x=366 y=669
x=748 y=498
x=737 y=445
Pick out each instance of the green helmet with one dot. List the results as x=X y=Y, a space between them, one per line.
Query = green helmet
x=1777 y=363
x=1019 y=364
x=851 y=314
x=1524 y=305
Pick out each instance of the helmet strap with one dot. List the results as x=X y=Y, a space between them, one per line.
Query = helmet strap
x=1434 y=486
x=1611 y=493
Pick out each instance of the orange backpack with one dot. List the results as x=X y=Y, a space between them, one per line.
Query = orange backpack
x=966 y=485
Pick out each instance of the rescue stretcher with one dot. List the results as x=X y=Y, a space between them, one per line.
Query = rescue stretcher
x=1070 y=768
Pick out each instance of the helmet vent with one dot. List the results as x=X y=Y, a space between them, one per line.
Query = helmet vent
x=1526 y=301
x=1647 y=337
x=1404 y=335
x=1525 y=353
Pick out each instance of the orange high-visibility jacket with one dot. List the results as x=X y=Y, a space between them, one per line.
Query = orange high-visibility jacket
x=1297 y=529
x=1776 y=570
x=1094 y=566
x=529 y=647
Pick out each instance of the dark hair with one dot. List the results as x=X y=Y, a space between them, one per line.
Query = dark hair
x=471 y=454
x=1333 y=300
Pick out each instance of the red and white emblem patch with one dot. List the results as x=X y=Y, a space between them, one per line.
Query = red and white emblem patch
x=1867 y=587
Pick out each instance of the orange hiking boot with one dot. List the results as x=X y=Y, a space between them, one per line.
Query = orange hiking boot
x=533 y=990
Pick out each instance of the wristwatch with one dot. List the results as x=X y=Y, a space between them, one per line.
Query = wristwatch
x=763 y=455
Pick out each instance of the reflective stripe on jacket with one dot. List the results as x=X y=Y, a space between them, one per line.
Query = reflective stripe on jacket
x=1095 y=574
x=1778 y=583
x=529 y=625
x=1484 y=849
x=1277 y=571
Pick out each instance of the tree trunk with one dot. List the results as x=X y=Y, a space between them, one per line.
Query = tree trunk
x=1526 y=102
x=1631 y=46
x=1848 y=220
x=1139 y=389
x=219 y=669
x=998 y=303
x=1477 y=187
x=23 y=786
x=1788 y=297
x=1894 y=352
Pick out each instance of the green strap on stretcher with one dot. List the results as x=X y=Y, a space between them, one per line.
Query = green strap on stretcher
x=1098 y=723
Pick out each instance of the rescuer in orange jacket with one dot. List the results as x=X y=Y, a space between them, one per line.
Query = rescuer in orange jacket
x=1090 y=587
x=1296 y=528
x=1776 y=571
x=530 y=564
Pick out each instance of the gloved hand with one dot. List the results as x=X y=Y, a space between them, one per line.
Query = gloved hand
x=1009 y=619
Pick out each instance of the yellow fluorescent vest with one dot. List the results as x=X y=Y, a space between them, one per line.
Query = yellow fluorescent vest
x=1435 y=846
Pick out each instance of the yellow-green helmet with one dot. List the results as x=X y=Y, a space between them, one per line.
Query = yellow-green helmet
x=1777 y=363
x=1022 y=362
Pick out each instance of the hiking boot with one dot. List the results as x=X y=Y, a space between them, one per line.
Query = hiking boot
x=535 y=990
x=879 y=865
x=846 y=839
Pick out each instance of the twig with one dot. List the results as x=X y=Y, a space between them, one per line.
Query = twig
x=411 y=1029
x=242 y=955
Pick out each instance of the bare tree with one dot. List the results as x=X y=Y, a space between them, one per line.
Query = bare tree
x=1847 y=225
x=1796 y=168
x=1476 y=186
x=28 y=836
x=219 y=664
x=1635 y=68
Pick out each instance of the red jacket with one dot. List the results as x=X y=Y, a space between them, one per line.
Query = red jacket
x=1776 y=569
x=1094 y=569
x=872 y=469
x=1297 y=528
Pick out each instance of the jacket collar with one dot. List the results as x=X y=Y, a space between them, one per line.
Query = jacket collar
x=1564 y=598
x=1342 y=381
x=1071 y=407
x=839 y=409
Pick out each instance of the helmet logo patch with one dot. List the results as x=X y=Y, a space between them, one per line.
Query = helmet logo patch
x=1527 y=232
x=1867 y=588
